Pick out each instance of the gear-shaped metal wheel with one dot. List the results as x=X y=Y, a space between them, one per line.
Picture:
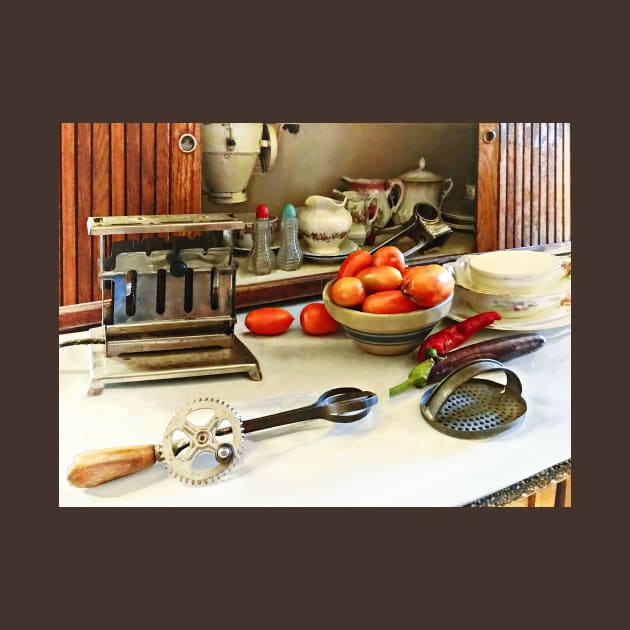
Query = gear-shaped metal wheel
x=213 y=432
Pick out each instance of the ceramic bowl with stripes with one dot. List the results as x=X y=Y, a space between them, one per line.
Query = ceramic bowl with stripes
x=386 y=334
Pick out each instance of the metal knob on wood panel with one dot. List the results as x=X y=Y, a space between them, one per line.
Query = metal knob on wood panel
x=187 y=143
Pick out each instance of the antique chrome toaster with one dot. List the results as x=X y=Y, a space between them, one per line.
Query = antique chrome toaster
x=168 y=304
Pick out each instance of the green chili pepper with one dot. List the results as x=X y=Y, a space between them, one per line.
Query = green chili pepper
x=419 y=376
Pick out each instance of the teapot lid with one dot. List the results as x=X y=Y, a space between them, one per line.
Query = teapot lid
x=420 y=174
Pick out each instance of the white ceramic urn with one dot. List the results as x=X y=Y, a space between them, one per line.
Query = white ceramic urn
x=324 y=224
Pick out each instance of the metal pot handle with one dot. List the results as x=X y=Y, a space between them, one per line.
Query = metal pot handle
x=268 y=148
x=448 y=190
x=392 y=183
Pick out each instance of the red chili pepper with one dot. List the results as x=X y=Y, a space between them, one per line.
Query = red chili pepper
x=453 y=336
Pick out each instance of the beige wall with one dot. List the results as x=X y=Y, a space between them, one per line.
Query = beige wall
x=312 y=161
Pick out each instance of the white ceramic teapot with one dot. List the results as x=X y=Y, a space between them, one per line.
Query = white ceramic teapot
x=324 y=224
x=421 y=186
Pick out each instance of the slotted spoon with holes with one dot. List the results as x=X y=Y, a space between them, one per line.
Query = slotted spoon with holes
x=464 y=406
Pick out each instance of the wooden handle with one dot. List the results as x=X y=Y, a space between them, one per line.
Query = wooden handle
x=93 y=468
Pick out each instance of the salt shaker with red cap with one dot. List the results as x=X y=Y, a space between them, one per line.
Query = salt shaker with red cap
x=261 y=258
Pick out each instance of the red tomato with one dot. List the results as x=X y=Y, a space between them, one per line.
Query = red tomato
x=354 y=262
x=428 y=285
x=383 y=278
x=268 y=320
x=406 y=272
x=389 y=255
x=348 y=291
x=388 y=302
x=315 y=320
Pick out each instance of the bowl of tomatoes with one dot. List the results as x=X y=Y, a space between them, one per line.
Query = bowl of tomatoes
x=384 y=306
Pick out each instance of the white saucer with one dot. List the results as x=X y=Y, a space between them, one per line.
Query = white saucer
x=461 y=227
x=558 y=318
x=346 y=247
x=458 y=217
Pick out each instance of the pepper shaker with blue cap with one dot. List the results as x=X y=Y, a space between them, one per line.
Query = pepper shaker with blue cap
x=290 y=253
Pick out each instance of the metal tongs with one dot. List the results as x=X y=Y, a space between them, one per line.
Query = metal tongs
x=413 y=228
x=343 y=404
x=216 y=436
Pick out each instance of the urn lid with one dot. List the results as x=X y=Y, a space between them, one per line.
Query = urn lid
x=420 y=174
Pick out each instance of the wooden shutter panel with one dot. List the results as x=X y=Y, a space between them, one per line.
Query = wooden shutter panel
x=524 y=185
x=118 y=169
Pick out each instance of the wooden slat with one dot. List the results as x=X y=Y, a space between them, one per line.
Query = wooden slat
x=162 y=168
x=101 y=185
x=546 y=497
x=559 y=171
x=132 y=168
x=502 y=208
x=74 y=317
x=563 y=493
x=147 y=183
x=566 y=181
x=534 y=195
x=508 y=237
x=487 y=187
x=67 y=247
x=59 y=228
x=185 y=191
x=542 y=192
x=518 y=185
x=101 y=192
x=84 y=202
x=526 y=229
x=567 y=492
x=59 y=254
x=147 y=171
x=185 y=171
x=117 y=167
x=551 y=181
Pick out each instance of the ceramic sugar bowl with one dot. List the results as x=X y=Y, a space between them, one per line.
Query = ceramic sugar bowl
x=421 y=187
x=324 y=224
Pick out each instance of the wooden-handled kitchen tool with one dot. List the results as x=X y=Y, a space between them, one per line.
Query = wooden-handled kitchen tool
x=205 y=438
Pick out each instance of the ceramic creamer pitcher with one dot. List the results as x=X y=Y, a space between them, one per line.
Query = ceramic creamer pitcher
x=377 y=193
x=421 y=186
x=324 y=224
x=363 y=216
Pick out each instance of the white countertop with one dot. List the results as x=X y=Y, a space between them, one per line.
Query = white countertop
x=392 y=457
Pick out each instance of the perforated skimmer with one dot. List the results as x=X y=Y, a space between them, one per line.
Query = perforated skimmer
x=466 y=407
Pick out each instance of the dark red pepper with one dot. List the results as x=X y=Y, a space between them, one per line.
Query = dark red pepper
x=453 y=336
